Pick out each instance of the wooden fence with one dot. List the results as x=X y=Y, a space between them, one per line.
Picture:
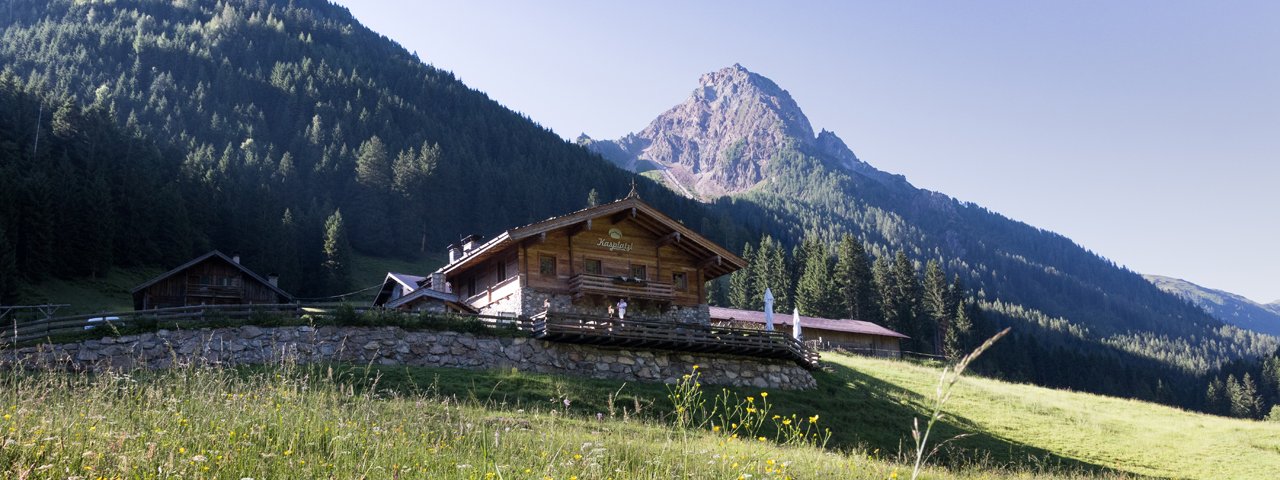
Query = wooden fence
x=564 y=327
x=23 y=331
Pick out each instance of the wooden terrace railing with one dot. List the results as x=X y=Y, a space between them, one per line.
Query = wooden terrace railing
x=588 y=284
x=653 y=333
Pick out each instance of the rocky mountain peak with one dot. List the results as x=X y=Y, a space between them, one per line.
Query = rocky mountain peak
x=721 y=139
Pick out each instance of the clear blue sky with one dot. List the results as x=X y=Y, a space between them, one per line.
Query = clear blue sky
x=1147 y=131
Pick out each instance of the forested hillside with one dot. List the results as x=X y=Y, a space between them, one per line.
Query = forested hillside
x=272 y=117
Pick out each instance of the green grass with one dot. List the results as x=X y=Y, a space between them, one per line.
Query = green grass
x=109 y=293
x=367 y=271
x=327 y=415
x=869 y=405
x=1127 y=435
x=289 y=422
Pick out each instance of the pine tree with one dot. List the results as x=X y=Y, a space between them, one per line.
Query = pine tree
x=771 y=272
x=287 y=262
x=372 y=232
x=815 y=292
x=936 y=315
x=337 y=253
x=8 y=270
x=742 y=282
x=906 y=303
x=411 y=173
x=955 y=343
x=854 y=282
x=1215 y=397
x=882 y=273
x=1243 y=396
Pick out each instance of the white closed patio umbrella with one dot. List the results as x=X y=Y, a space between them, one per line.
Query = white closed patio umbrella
x=768 y=309
x=795 y=324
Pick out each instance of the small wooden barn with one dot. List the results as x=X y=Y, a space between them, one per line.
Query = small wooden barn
x=857 y=336
x=210 y=279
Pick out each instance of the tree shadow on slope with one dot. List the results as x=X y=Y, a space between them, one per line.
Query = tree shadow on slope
x=877 y=415
x=862 y=411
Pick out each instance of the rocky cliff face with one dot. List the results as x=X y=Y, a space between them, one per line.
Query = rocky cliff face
x=721 y=140
x=724 y=137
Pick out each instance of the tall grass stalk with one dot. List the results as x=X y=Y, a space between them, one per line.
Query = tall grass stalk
x=950 y=375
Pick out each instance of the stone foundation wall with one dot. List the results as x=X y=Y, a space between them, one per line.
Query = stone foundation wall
x=395 y=346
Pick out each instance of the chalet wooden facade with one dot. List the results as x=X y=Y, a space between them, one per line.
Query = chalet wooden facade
x=585 y=261
x=210 y=279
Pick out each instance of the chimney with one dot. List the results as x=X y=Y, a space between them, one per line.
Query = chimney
x=437 y=282
x=455 y=252
x=273 y=279
x=235 y=257
x=472 y=241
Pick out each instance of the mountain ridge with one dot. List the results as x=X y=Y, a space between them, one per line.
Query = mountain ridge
x=1226 y=306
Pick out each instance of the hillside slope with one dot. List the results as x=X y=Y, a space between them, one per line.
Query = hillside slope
x=274 y=115
x=1225 y=306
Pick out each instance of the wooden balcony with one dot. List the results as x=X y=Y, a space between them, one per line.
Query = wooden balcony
x=214 y=291
x=687 y=337
x=587 y=284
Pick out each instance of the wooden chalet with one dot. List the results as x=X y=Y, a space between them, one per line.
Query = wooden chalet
x=585 y=261
x=559 y=278
x=210 y=279
x=856 y=336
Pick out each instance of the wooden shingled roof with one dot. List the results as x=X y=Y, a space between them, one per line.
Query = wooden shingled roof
x=716 y=260
x=224 y=258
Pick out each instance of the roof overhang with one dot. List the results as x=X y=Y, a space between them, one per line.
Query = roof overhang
x=714 y=259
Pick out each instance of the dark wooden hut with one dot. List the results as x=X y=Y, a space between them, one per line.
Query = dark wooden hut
x=210 y=279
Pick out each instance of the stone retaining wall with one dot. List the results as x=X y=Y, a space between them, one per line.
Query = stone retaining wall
x=396 y=346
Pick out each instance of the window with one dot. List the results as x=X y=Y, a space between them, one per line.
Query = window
x=502 y=271
x=471 y=287
x=593 y=267
x=680 y=281
x=547 y=265
x=638 y=271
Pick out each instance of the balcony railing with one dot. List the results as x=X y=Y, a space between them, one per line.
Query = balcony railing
x=587 y=284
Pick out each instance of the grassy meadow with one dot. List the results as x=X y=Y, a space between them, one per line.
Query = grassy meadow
x=351 y=421
x=285 y=422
